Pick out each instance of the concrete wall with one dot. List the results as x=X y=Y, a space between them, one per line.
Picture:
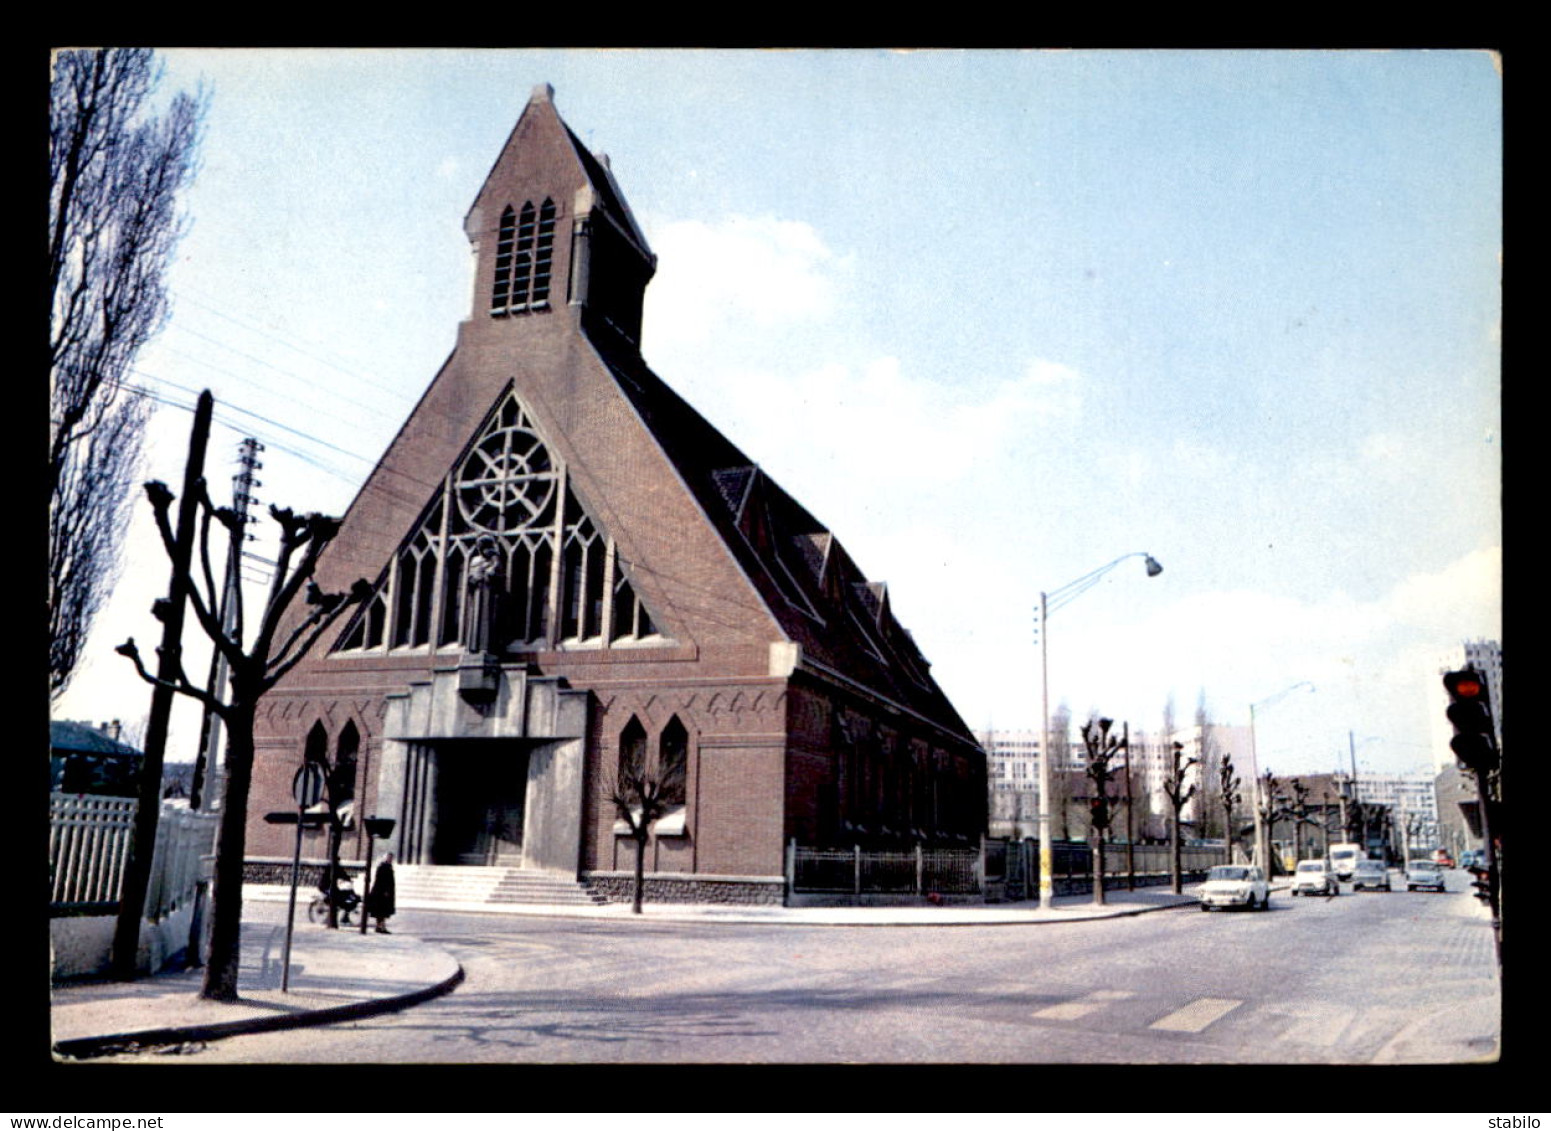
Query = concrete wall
x=80 y=946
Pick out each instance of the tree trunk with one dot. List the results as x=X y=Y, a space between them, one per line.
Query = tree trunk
x=220 y=983
x=1175 y=869
x=640 y=873
x=1098 y=867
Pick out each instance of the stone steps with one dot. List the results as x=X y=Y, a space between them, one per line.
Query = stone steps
x=431 y=885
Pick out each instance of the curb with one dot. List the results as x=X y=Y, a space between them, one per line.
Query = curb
x=82 y=1048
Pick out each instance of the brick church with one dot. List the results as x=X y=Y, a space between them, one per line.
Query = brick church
x=572 y=568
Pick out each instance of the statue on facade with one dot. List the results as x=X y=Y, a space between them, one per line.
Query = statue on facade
x=483 y=598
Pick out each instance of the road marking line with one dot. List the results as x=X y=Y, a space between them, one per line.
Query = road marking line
x=1320 y=1024
x=1197 y=1015
x=1074 y=1010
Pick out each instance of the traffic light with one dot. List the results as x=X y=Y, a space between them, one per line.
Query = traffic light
x=1470 y=710
x=1482 y=883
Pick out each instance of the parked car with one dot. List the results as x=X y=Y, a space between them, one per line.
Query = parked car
x=1424 y=874
x=1314 y=877
x=1370 y=875
x=1235 y=885
x=1471 y=858
x=1443 y=859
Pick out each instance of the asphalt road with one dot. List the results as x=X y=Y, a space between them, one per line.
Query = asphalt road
x=1346 y=980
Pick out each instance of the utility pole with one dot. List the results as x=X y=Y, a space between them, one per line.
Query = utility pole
x=169 y=610
x=243 y=484
x=204 y=792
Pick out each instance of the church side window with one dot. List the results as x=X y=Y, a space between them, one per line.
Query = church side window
x=524 y=264
x=524 y=258
x=506 y=509
x=673 y=761
x=415 y=586
x=544 y=253
x=506 y=238
x=631 y=620
x=582 y=600
x=367 y=631
x=632 y=752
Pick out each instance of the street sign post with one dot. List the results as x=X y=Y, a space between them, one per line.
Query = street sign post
x=307 y=790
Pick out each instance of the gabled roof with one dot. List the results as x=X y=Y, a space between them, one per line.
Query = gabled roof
x=85 y=739
x=819 y=597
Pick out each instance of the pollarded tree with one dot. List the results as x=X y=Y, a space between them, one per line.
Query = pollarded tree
x=1268 y=805
x=282 y=639
x=1102 y=750
x=1228 y=788
x=1179 y=795
x=115 y=172
x=643 y=790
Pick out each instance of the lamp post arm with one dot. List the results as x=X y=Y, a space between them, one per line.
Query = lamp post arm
x=1073 y=589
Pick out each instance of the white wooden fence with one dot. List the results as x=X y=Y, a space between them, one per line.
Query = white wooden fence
x=89 y=840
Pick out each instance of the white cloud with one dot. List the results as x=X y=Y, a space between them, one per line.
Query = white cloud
x=1467 y=593
x=715 y=277
x=874 y=423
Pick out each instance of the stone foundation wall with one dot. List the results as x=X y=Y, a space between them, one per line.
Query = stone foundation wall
x=263 y=870
x=665 y=887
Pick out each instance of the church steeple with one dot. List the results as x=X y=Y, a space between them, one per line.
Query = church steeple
x=551 y=229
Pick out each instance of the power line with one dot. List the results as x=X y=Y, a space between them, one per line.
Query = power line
x=281 y=340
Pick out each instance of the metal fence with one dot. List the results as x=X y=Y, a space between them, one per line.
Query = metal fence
x=1004 y=869
x=949 y=871
x=89 y=838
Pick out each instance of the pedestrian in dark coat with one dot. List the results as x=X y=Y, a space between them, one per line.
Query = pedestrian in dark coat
x=379 y=902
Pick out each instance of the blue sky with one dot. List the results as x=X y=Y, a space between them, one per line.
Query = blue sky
x=996 y=317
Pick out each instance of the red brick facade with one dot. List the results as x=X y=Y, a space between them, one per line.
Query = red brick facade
x=644 y=570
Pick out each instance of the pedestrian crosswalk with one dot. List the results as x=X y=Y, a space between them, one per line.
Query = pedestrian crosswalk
x=1090 y=1003
x=1197 y=1015
x=1309 y=1024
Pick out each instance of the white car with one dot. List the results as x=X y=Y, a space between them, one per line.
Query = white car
x=1314 y=877
x=1235 y=885
x=1371 y=874
x=1424 y=874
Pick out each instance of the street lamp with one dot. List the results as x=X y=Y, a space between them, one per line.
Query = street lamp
x=1260 y=846
x=1049 y=602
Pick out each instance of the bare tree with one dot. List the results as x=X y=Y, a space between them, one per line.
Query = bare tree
x=1228 y=787
x=1178 y=794
x=1268 y=803
x=280 y=643
x=641 y=795
x=115 y=171
x=1102 y=747
x=1298 y=809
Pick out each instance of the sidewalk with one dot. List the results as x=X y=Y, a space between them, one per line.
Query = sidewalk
x=341 y=974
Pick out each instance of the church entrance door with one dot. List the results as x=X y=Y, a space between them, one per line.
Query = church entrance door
x=481 y=795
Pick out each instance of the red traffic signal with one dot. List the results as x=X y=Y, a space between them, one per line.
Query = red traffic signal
x=1470 y=710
